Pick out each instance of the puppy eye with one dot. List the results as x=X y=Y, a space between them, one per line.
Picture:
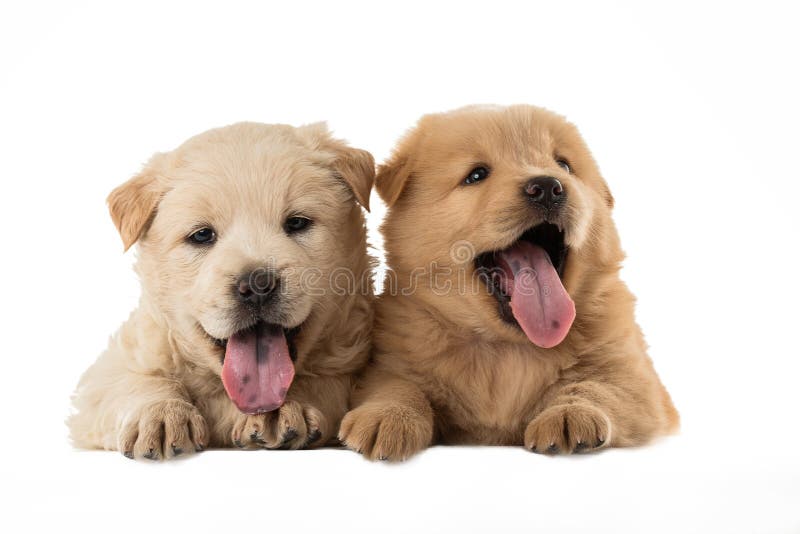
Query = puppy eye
x=564 y=164
x=296 y=224
x=203 y=236
x=476 y=175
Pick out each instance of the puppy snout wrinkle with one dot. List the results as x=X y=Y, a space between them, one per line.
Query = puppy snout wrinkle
x=256 y=287
x=546 y=191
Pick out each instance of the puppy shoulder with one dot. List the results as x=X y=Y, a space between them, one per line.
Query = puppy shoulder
x=142 y=344
x=406 y=329
x=347 y=340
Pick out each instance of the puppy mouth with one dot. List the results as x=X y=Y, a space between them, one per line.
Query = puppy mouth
x=526 y=280
x=548 y=236
x=258 y=366
x=289 y=333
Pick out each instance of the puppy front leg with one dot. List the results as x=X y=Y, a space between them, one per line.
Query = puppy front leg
x=391 y=419
x=618 y=404
x=141 y=415
x=573 y=421
x=309 y=417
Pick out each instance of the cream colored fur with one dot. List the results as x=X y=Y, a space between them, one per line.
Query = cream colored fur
x=156 y=391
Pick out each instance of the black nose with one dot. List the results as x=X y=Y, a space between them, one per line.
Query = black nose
x=256 y=287
x=546 y=192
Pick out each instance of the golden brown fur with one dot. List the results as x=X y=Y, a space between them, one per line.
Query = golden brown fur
x=156 y=391
x=446 y=368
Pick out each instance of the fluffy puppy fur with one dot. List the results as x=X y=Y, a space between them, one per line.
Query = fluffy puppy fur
x=222 y=206
x=450 y=366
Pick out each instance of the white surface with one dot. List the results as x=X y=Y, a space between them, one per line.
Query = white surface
x=677 y=485
x=691 y=111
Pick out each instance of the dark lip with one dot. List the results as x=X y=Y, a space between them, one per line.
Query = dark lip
x=546 y=235
x=290 y=333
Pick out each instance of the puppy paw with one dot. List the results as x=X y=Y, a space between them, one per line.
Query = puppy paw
x=163 y=430
x=568 y=428
x=292 y=426
x=386 y=432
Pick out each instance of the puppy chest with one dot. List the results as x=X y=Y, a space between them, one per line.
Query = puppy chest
x=490 y=390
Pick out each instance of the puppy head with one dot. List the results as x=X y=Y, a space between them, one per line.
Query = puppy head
x=469 y=190
x=239 y=229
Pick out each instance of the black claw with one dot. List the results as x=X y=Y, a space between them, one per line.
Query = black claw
x=176 y=451
x=254 y=435
x=289 y=435
x=580 y=446
x=128 y=454
x=151 y=455
x=238 y=443
x=314 y=436
x=552 y=449
x=600 y=441
x=199 y=448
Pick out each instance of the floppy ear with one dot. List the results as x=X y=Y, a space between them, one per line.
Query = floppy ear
x=392 y=178
x=357 y=169
x=394 y=173
x=607 y=196
x=133 y=204
x=353 y=165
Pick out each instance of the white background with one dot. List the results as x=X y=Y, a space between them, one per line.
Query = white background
x=691 y=110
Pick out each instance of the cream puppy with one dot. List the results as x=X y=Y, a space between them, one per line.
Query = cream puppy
x=256 y=296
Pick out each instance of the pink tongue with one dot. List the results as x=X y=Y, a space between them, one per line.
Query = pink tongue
x=258 y=370
x=539 y=302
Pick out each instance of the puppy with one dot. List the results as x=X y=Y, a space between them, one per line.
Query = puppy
x=504 y=320
x=240 y=338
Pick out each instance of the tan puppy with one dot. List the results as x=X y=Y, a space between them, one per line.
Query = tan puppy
x=240 y=338
x=504 y=320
